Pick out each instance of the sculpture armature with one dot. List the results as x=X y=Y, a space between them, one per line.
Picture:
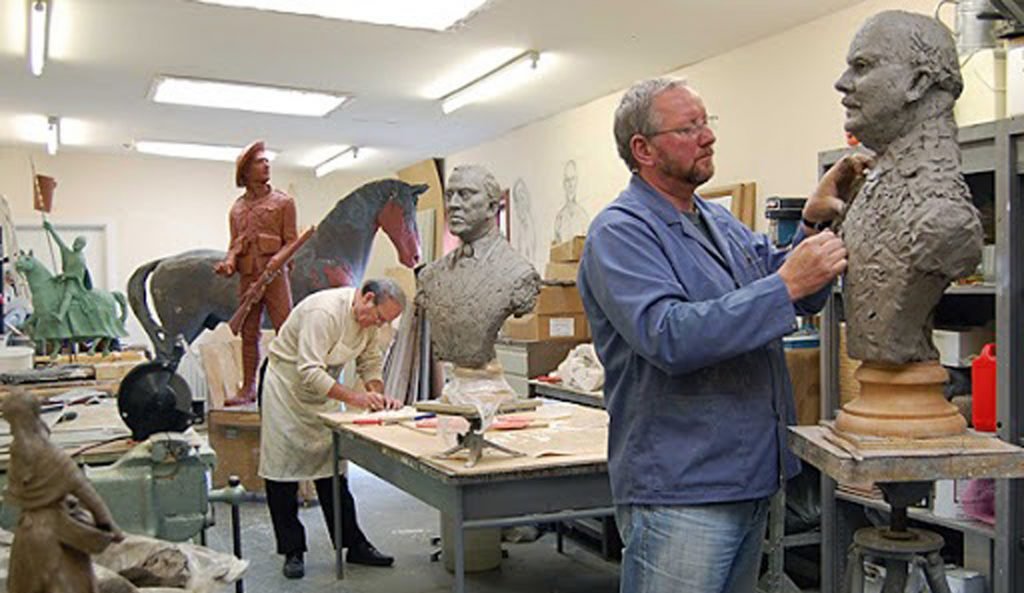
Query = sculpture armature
x=55 y=533
x=912 y=229
x=470 y=292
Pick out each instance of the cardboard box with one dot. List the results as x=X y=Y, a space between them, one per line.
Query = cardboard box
x=534 y=327
x=567 y=251
x=554 y=299
x=235 y=436
x=561 y=271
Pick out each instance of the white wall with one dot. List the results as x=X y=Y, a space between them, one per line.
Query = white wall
x=155 y=206
x=776 y=105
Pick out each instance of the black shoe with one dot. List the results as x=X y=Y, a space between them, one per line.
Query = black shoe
x=293 y=566
x=365 y=553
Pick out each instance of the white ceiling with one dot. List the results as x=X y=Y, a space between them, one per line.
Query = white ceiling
x=105 y=53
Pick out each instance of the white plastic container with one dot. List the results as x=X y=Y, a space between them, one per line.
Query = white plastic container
x=15 y=358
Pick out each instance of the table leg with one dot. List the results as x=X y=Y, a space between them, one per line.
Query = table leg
x=460 y=549
x=339 y=566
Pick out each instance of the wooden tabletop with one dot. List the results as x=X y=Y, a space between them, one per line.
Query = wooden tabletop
x=570 y=435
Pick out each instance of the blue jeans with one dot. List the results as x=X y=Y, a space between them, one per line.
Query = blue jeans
x=713 y=548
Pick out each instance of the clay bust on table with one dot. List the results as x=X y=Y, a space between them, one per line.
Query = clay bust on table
x=912 y=228
x=472 y=290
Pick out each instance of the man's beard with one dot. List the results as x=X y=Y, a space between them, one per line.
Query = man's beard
x=693 y=175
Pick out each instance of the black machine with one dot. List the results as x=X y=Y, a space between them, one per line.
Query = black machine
x=153 y=398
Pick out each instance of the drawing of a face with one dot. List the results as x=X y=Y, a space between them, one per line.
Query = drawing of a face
x=569 y=181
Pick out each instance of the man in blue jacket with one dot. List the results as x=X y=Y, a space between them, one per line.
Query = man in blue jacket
x=687 y=309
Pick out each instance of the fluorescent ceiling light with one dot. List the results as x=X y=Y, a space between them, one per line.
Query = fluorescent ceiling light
x=342 y=159
x=187 y=150
x=507 y=76
x=458 y=75
x=436 y=15
x=38 y=19
x=52 y=135
x=244 y=96
x=37 y=129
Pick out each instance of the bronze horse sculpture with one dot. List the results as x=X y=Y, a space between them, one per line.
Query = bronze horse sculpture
x=188 y=296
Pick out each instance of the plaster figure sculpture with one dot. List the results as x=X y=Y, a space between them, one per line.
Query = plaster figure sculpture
x=470 y=292
x=912 y=228
x=262 y=222
x=66 y=307
x=189 y=297
x=571 y=220
x=62 y=520
x=524 y=236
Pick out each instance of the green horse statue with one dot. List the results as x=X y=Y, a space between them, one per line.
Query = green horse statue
x=66 y=311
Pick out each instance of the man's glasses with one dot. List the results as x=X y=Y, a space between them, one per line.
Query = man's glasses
x=691 y=131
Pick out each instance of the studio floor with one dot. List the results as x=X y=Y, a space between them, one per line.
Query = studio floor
x=402 y=526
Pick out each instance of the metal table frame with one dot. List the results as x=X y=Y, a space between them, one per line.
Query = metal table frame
x=478 y=501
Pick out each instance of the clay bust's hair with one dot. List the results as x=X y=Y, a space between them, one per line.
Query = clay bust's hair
x=927 y=44
x=384 y=289
x=635 y=115
x=490 y=184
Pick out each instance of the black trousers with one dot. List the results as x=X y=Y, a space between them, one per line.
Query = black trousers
x=283 y=500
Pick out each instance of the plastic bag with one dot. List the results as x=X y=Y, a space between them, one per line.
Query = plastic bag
x=485 y=389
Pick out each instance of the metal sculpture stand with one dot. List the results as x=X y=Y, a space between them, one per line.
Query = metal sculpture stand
x=900 y=546
x=474 y=443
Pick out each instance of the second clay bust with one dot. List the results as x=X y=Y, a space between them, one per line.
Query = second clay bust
x=471 y=291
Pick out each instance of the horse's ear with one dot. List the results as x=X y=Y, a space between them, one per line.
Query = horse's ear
x=30 y=254
x=419 y=189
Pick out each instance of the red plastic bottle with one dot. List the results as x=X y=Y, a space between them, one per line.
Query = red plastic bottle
x=983 y=387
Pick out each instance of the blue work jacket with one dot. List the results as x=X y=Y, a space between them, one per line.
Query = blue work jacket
x=690 y=334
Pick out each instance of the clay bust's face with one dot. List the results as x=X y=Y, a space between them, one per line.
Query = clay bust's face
x=257 y=170
x=876 y=85
x=470 y=211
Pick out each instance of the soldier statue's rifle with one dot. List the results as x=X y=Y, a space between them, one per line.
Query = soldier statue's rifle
x=256 y=290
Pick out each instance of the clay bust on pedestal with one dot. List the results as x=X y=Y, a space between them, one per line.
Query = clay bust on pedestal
x=470 y=292
x=62 y=520
x=911 y=230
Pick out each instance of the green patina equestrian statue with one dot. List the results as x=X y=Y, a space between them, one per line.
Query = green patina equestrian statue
x=66 y=307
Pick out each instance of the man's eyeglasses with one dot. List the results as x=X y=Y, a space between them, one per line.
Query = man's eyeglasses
x=691 y=131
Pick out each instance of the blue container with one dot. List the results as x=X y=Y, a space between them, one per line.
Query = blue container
x=783 y=218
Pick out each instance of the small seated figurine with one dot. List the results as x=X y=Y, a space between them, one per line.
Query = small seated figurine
x=62 y=519
x=470 y=292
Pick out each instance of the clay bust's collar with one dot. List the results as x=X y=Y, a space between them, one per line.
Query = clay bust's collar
x=248 y=195
x=930 y=141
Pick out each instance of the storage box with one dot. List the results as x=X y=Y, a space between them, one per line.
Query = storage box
x=957 y=348
x=567 y=251
x=554 y=299
x=962 y=580
x=235 y=436
x=534 y=327
x=561 y=271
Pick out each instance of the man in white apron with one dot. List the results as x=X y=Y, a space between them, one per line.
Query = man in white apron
x=323 y=332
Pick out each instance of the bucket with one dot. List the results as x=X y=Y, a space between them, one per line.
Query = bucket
x=783 y=218
x=482 y=547
x=14 y=359
x=983 y=390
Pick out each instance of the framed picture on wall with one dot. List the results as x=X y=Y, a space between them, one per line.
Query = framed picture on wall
x=738 y=198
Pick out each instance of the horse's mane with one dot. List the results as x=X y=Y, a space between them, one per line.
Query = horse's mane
x=360 y=207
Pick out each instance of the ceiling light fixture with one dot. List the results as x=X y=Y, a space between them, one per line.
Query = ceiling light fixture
x=189 y=150
x=413 y=14
x=509 y=75
x=338 y=161
x=244 y=96
x=52 y=135
x=38 y=25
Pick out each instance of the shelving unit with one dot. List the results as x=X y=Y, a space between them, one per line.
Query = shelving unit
x=993 y=163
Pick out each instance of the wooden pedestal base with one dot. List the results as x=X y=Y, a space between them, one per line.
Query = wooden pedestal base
x=904 y=401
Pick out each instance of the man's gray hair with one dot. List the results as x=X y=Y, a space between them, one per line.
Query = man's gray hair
x=384 y=289
x=491 y=188
x=636 y=116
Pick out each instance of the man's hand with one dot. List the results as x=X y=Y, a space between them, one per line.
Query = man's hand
x=225 y=268
x=837 y=188
x=815 y=262
x=373 y=401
